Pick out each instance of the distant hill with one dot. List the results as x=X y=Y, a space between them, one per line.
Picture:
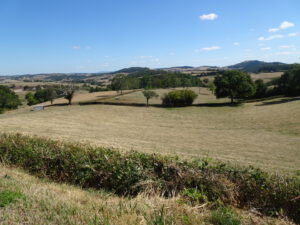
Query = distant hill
x=255 y=66
x=182 y=67
x=132 y=70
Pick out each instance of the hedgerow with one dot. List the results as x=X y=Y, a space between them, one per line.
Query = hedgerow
x=131 y=173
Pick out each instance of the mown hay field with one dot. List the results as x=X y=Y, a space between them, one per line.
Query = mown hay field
x=264 y=134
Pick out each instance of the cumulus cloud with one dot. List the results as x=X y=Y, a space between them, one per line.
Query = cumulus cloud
x=211 y=16
x=236 y=43
x=265 y=48
x=212 y=48
x=270 y=37
x=282 y=26
x=292 y=34
x=285 y=25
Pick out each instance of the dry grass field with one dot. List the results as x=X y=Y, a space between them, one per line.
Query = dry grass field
x=266 y=76
x=204 y=96
x=265 y=134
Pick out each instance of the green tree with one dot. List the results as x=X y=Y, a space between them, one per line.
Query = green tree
x=50 y=94
x=289 y=83
x=8 y=98
x=31 y=100
x=261 y=89
x=234 y=84
x=69 y=93
x=149 y=94
x=211 y=86
x=118 y=83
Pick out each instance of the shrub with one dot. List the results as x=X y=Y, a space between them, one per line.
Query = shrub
x=224 y=216
x=194 y=196
x=133 y=172
x=179 y=98
x=8 y=98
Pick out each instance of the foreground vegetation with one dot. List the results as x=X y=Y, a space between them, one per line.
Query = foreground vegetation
x=39 y=201
x=199 y=181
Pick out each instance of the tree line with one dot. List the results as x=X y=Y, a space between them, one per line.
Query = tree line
x=51 y=92
x=153 y=79
x=237 y=85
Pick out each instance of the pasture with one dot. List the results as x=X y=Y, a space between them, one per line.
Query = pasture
x=264 y=134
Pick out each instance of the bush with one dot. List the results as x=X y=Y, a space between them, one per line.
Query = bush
x=8 y=99
x=130 y=173
x=179 y=98
x=224 y=216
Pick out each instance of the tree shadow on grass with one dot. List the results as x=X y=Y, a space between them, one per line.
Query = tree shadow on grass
x=223 y=104
x=279 y=101
x=57 y=104
x=219 y=104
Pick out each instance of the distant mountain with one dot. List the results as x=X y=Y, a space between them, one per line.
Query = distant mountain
x=255 y=66
x=132 y=70
x=181 y=67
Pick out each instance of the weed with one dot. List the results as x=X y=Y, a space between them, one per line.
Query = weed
x=224 y=216
x=8 y=197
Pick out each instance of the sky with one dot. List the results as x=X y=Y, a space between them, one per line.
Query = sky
x=50 y=36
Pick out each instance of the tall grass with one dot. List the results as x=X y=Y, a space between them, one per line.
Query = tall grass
x=133 y=172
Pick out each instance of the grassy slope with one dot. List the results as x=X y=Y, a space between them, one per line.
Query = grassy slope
x=50 y=203
x=263 y=134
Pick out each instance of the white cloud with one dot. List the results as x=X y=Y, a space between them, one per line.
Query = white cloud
x=145 y=57
x=211 y=16
x=287 y=46
x=273 y=29
x=282 y=26
x=285 y=25
x=270 y=37
x=292 y=34
x=212 y=48
x=76 y=47
x=236 y=43
x=265 y=48
x=286 y=53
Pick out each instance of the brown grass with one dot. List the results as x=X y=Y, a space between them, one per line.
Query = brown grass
x=265 y=135
x=266 y=76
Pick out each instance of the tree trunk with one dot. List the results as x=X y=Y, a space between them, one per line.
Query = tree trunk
x=147 y=102
x=70 y=101
x=231 y=99
x=51 y=101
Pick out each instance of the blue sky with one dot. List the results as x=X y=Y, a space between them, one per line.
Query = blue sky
x=43 y=36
